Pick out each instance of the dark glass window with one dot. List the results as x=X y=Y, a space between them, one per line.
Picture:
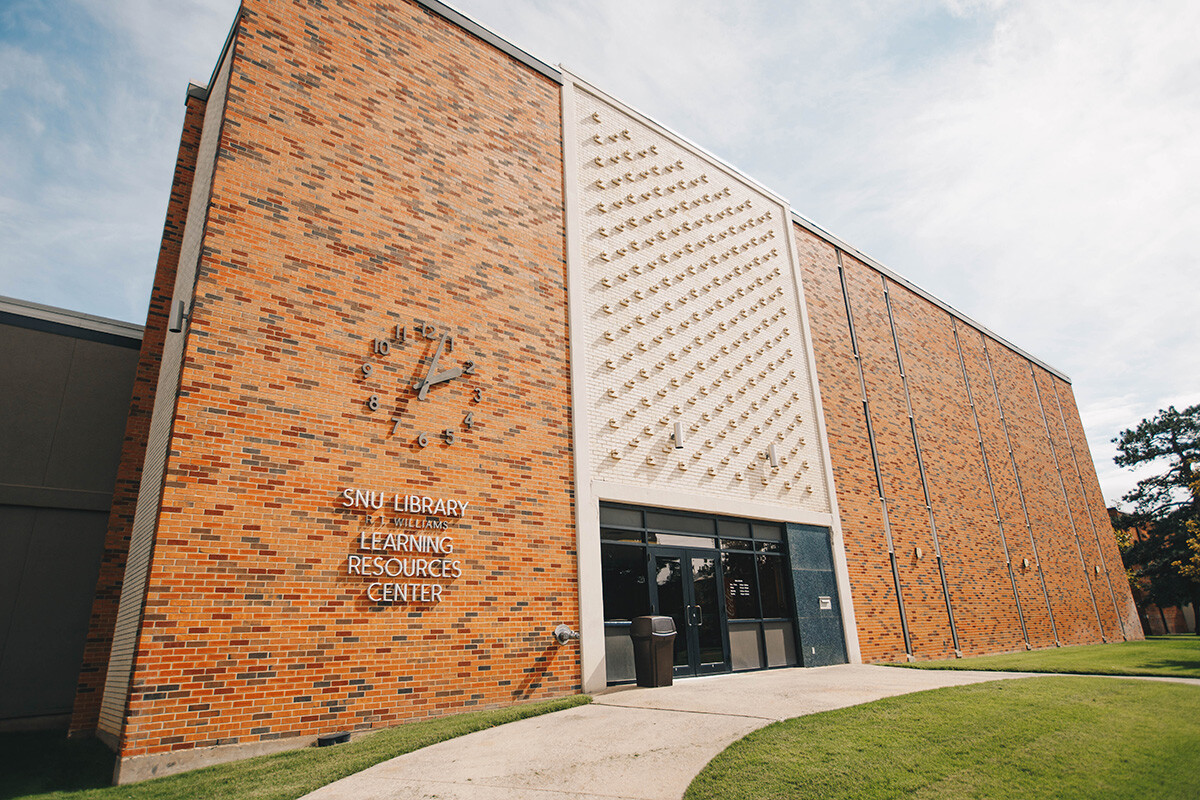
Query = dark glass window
x=677 y=540
x=736 y=544
x=741 y=586
x=727 y=527
x=772 y=586
x=678 y=522
x=624 y=576
x=625 y=517
x=768 y=533
x=617 y=535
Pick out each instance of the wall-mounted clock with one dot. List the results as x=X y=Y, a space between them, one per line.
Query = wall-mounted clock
x=428 y=392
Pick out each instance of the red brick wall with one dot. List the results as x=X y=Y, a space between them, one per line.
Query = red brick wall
x=1059 y=530
x=875 y=606
x=94 y=666
x=980 y=588
x=1115 y=585
x=378 y=167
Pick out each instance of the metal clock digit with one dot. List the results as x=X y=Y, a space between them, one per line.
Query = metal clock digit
x=445 y=397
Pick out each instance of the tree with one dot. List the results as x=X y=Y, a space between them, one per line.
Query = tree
x=1165 y=506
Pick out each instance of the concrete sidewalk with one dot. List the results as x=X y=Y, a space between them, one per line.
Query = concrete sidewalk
x=630 y=743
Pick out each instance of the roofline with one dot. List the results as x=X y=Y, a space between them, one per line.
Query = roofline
x=471 y=26
x=64 y=322
x=821 y=233
x=445 y=11
x=201 y=92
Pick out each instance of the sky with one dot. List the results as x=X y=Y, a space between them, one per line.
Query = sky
x=1035 y=164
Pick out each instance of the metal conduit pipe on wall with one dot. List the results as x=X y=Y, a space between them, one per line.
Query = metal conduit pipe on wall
x=1062 y=485
x=912 y=426
x=987 y=472
x=1088 y=507
x=887 y=526
x=1012 y=457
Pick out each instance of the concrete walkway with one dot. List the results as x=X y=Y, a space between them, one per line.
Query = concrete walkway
x=630 y=743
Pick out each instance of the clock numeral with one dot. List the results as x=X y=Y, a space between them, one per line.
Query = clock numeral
x=367 y=369
x=373 y=402
x=469 y=368
x=428 y=331
x=469 y=420
x=382 y=348
x=422 y=439
x=401 y=333
x=449 y=344
x=395 y=425
x=448 y=435
x=478 y=395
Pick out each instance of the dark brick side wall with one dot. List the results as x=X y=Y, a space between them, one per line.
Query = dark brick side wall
x=94 y=666
x=1041 y=508
x=378 y=167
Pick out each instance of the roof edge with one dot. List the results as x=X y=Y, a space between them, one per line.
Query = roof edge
x=51 y=319
x=471 y=26
x=840 y=244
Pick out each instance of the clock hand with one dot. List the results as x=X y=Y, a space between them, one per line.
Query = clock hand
x=432 y=379
x=422 y=387
x=441 y=377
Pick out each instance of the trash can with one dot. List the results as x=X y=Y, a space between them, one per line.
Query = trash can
x=653 y=650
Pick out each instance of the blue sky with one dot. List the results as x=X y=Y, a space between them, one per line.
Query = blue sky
x=1034 y=164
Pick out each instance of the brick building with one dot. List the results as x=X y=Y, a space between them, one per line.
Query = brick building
x=448 y=348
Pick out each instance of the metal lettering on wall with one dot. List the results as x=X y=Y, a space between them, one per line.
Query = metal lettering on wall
x=408 y=559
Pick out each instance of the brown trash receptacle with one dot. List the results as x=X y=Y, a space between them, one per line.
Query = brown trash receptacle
x=653 y=650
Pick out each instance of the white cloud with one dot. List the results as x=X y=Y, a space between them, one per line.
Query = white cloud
x=1032 y=163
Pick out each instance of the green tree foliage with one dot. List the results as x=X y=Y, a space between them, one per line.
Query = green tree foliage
x=1165 y=506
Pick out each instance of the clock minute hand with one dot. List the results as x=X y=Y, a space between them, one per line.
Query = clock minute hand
x=430 y=378
x=441 y=377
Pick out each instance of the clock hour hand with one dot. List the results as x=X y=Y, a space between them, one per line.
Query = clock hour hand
x=432 y=379
x=441 y=377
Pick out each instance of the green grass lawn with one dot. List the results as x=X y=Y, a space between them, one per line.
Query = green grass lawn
x=1167 y=656
x=48 y=765
x=1046 y=737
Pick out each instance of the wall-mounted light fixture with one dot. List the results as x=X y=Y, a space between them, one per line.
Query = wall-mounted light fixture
x=182 y=314
x=677 y=436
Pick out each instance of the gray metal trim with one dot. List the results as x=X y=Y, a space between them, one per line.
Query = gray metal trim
x=1062 y=485
x=1088 y=507
x=987 y=471
x=883 y=503
x=839 y=244
x=471 y=26
x=916 y=439
x=24 y=314
x=13 y=494
x=1012 y=457
x=199 y=92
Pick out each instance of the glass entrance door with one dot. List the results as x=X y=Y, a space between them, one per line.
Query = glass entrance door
x=686 y=589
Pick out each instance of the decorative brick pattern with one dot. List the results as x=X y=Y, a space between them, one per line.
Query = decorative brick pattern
x=693 y=318
x=378 y=167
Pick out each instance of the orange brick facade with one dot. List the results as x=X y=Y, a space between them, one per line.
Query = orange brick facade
x=389 y=170
x=965 y=389
x=380 y=167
